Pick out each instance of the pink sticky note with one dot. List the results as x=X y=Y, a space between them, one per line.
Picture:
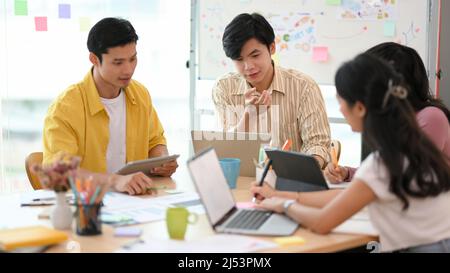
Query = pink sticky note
x=320 y=53
x=41 y=23
x=245 y=205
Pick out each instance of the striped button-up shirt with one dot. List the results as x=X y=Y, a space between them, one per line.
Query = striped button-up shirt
x=297 y=111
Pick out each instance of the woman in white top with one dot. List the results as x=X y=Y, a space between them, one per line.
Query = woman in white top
x=405 y=182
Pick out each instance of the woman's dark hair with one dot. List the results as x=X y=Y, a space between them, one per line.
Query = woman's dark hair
x=110 y=32
x=243 y=28
x=407 y=62
x=391 y=129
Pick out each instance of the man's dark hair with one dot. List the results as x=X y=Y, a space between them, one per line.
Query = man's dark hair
x=110 y=32
x=243 y=28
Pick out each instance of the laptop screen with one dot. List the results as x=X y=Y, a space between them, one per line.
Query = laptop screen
x=211 y=185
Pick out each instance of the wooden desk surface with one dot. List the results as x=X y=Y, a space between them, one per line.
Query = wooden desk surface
x=11 y=214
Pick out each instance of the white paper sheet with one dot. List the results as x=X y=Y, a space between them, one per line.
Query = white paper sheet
x=219 y=243
x=136 y=210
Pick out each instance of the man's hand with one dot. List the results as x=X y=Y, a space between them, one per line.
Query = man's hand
x=136 y=183
x=335 y=174
x=253 y=97
x=167 y=169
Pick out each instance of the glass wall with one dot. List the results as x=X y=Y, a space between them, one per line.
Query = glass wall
x=43 y=50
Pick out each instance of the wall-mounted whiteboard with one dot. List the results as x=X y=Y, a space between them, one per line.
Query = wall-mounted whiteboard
x=314 y=36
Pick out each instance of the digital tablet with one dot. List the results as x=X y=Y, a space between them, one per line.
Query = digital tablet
x=296 y=172
x=145 y=165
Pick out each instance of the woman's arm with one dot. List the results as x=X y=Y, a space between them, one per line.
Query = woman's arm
x=316 y=199
x=323 y=220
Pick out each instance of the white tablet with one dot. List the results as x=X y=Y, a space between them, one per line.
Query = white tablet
x=145 y=165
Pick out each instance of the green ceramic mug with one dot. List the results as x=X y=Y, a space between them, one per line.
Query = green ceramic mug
x=177 y=220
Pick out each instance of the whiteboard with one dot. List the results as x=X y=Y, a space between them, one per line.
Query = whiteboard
x=313 y=36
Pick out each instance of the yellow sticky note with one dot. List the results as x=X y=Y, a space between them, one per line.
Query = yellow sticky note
x=289 y=240
x=85 y=24
x=276 y=58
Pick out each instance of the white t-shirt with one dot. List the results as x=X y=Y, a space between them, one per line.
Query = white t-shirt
x=427 y=220
x=117 y=150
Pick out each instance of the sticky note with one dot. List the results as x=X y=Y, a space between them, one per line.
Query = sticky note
x=389 y=28
x=20 y=7
x=64 y=11
x=41 y=23
x=289 y=240
x=127 y=232
x=276 y=58
x=85 y=23
x=334 y=2
x=245 y=205
x=174 y=191
x=320 y=54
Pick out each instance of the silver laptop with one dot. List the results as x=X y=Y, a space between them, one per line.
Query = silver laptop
x=244 y=146
x=220 y=206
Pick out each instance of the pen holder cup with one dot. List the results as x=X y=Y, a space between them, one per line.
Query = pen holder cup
x=271 y=177
x=88 y=219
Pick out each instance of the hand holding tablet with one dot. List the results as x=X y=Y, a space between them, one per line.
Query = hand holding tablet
x=151 y=166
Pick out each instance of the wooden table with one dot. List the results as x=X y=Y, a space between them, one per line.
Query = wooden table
x=11 y=214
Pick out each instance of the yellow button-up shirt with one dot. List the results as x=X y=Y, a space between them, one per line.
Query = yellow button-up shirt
x=78 y=124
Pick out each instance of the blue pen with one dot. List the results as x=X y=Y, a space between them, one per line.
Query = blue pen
x=74 y=189
x=94 y=196
x=266 y=169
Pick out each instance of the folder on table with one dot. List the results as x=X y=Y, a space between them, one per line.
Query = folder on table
x=32 y=236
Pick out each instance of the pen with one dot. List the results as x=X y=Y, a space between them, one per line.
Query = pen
x=287 y=145
x=156 y=188
x=266 y=169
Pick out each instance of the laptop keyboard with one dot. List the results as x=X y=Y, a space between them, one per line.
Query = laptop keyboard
x=249 y=219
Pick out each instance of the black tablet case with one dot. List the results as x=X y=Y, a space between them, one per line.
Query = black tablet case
x=296 y=171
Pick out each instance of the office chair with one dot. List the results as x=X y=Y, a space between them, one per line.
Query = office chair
x=33 y=158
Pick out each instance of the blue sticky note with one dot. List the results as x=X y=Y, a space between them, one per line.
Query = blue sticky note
x=389 y=28
x=127 y=232
x=64 y=11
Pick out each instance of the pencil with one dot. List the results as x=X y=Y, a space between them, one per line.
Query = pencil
x=334 y=159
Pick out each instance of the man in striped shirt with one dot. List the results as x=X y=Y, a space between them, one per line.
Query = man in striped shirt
x=263 y=97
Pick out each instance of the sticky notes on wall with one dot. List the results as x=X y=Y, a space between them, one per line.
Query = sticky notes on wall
x=334 y=2
x=389 y=29
x=320 y=53
x=40 y=23
x=64 y=11
x=85 y=24
x=20 y=7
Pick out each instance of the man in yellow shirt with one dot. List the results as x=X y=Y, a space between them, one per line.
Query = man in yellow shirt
x=108 y=119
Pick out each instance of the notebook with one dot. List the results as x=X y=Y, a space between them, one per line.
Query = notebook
x=32 y=236
x=221 y=209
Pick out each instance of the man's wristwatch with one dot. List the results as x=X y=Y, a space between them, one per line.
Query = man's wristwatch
x=287 y=204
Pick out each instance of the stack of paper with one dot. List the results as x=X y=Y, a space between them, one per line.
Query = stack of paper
x=358 y=224
x=122 y=209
